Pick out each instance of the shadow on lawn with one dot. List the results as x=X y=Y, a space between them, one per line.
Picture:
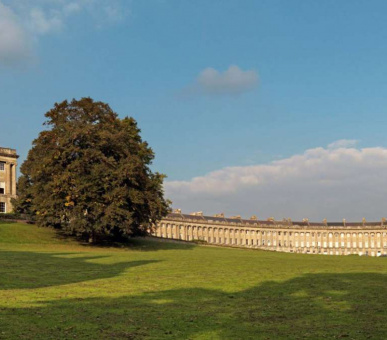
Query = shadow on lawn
x=314 y=306
x=146 y=244
x=25 y=270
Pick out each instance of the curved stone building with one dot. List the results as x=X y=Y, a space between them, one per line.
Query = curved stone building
x=338 y=238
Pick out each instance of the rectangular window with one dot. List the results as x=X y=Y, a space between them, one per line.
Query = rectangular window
x=2 y=207
x=2 y=166
x=2 y=188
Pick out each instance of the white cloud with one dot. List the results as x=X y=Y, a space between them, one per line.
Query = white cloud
x=232 y=81
x=43 y=23
x=14 y=44
x=25 y=21
x=331 y=183
x=343 y=143
x=71 y=8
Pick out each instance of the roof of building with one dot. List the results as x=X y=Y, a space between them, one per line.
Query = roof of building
x=197 y=217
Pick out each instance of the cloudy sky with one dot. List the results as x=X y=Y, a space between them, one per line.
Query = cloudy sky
x=269 y=107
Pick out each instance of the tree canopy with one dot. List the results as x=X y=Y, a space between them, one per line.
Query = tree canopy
x=89 y=174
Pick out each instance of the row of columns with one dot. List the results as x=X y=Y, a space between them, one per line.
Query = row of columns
x=293 y=240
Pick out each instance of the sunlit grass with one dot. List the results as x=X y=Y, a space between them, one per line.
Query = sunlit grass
x=51 y=288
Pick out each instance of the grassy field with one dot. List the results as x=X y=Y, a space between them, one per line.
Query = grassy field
x=52 y=288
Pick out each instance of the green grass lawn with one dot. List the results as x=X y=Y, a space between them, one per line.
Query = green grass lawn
x=51 y=288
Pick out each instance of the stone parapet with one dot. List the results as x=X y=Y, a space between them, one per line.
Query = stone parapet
x=7 y=152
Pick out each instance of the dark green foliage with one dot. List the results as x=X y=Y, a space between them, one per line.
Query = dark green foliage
x=11 y=216
x=89 y=174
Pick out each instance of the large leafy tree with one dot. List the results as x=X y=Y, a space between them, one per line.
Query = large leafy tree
x=89 y=174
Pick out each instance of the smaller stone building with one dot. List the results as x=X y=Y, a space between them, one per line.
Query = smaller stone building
x=8 y=178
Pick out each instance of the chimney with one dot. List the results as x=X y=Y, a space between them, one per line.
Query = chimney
x=344 y=222
x=177 y=211
x=219 y=215
x=198 y=213
x=254 y=218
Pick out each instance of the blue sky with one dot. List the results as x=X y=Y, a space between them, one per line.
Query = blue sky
x=212 y=84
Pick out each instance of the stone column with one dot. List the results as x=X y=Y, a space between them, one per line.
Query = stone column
x=14 y=179
x=177 y=232
x=286 y=239
x=8 y=187
x=185 y=233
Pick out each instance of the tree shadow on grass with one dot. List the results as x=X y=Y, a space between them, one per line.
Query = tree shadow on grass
x=27 y=270
x=314 y=306
x=147 y=244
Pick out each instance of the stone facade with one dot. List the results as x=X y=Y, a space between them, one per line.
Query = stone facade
x=343 y=238
x=8 y=178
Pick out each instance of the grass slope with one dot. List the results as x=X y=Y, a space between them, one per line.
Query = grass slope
x=58 y=289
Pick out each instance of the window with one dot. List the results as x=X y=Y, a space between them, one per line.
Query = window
x=2 y=188
x=2 y=207
x=2 y=166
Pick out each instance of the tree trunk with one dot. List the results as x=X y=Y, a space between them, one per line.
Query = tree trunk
x=92 y=237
